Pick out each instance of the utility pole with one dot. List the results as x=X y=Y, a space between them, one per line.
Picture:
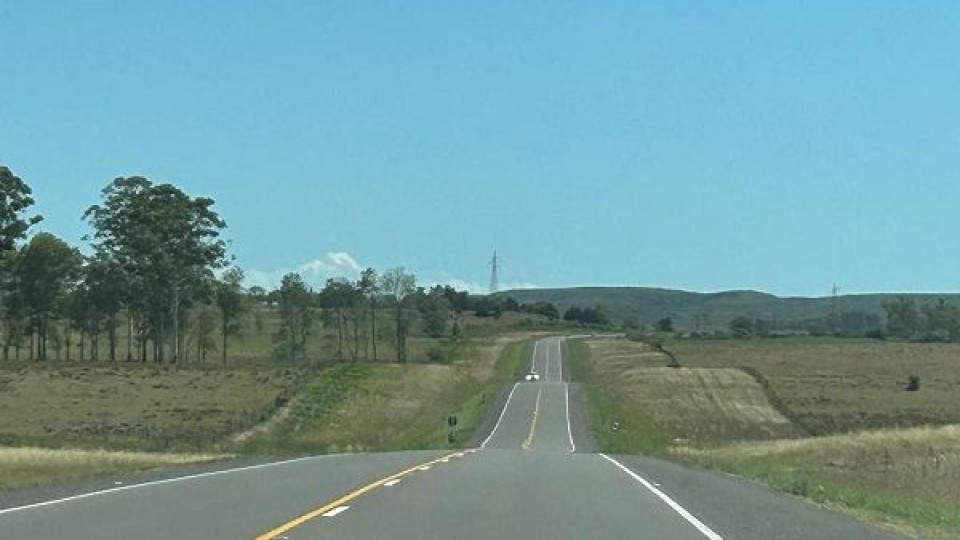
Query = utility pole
x=494 y=273
x=833 y=308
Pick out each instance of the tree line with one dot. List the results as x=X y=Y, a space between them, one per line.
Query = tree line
x=159 y=286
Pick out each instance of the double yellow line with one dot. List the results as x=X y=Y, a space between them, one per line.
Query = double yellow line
x=296 y=522
x=528 y=443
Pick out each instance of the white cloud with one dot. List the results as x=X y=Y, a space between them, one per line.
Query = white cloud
x=339 y=264
x=336 y=264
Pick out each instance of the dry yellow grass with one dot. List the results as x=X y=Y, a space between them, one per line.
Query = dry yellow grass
x=133 y=407
x=20 y=467
x=698 y=406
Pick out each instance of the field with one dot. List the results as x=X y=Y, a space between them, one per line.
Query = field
x=135 y=407
x=20 y=467
x=842 y=431
x=834 y=386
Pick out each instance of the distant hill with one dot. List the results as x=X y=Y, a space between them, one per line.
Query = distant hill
x=708 y=311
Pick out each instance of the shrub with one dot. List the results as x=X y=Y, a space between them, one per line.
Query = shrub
x=913 y=383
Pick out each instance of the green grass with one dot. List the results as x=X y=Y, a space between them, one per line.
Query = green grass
x=366 y=407
x=615 y=428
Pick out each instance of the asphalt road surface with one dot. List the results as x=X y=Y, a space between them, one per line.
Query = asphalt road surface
x=530 y=479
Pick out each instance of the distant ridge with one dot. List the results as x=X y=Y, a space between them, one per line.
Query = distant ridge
x=709 y=311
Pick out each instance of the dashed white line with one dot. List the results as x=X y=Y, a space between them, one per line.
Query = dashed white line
x=336 y=511
x=424 y=468
x=706 y=531
x=391 y=483
x=560 y=358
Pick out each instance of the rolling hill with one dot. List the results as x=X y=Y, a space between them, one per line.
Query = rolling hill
x=710 y=311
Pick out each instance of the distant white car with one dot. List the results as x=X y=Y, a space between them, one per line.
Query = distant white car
x=533 y=376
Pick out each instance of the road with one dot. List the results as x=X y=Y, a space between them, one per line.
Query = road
x=529 y=479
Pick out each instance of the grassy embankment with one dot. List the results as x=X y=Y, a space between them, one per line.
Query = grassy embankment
x=365 y=407
x=897 y=474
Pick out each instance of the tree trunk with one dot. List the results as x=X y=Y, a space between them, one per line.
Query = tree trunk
x=223 y=330
x=112 y=336
x=129 y=336
x=82 y=345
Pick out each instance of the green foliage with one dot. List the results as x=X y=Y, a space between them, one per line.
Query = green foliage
x=297 y=316
x=15 y=198
x=166 y=245
x=399 y=286
x=434 y=313
x=665 y=325
x=741 y=327
x=903 y=319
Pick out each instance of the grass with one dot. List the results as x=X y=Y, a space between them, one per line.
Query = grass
x=876 y=457
x=22 y=467
x=135 y=408
x=366 y=407
x=615 y=426
x=908 y=478
x=832 y=386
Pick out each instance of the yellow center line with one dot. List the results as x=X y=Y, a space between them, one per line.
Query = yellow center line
x=533 y=425
x=296 y=522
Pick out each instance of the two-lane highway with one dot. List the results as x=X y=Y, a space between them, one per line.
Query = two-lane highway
x=526 y=480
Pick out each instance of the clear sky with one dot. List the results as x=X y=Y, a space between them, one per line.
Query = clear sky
x=779 y=146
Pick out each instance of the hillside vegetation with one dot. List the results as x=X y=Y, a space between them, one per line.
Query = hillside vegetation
x=692 y=311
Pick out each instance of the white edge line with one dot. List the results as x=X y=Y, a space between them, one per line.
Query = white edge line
x=159 y=482
x=502 y=412
x=566 y=396
x=707 y=531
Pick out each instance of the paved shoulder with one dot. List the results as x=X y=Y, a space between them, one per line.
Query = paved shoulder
x=739 y=509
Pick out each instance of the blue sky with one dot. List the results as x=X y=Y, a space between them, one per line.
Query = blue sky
x=779 y=146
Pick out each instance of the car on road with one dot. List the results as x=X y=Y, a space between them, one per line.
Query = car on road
x=532 y=376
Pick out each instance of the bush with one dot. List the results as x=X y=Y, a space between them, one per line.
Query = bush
x=913 y=383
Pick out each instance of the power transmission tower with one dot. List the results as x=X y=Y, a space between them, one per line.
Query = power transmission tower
x=494 y=273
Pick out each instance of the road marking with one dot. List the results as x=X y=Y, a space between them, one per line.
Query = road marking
x=707 y=531
x=533 y=425
x=502 y=412
x=560 y=358
x=160 y=482
x=392 y=483
x=424 y=468
x=296 y=522
x=336 y=511
x=566 y=398
x=534 y=369
x=546 y=374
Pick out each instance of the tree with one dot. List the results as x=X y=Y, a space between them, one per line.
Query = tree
x=399 y=285
x=296 y=316
x=665 y=325
x=741 y=326
x=15 y=198
x=903 y=320
x=167 y=245
x=341 y=302
x=573 y=314
x=369 y=288
x=232 y=301
x=943 y=321
x=44 y=273
x=435 y=313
